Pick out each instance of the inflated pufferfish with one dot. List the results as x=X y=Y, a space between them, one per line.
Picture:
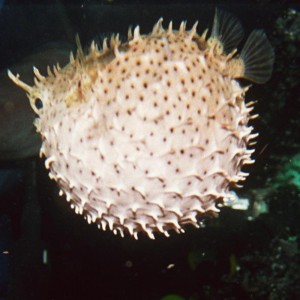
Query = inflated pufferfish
x=150 y=134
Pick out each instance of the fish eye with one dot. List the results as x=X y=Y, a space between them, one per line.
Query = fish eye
x=38 y=103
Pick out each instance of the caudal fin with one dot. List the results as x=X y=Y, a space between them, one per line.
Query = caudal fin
x=258 y=57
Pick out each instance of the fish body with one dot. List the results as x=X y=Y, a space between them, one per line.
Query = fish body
x=150 y=134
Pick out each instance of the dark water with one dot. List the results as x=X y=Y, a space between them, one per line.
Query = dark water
x=48 y=252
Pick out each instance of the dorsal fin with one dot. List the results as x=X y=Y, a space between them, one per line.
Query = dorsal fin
x=258 y=57
x=227 y=29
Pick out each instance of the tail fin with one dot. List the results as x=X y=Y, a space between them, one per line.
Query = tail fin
x=258 y=57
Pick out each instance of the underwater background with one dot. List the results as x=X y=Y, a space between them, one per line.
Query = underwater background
x=48 y=252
